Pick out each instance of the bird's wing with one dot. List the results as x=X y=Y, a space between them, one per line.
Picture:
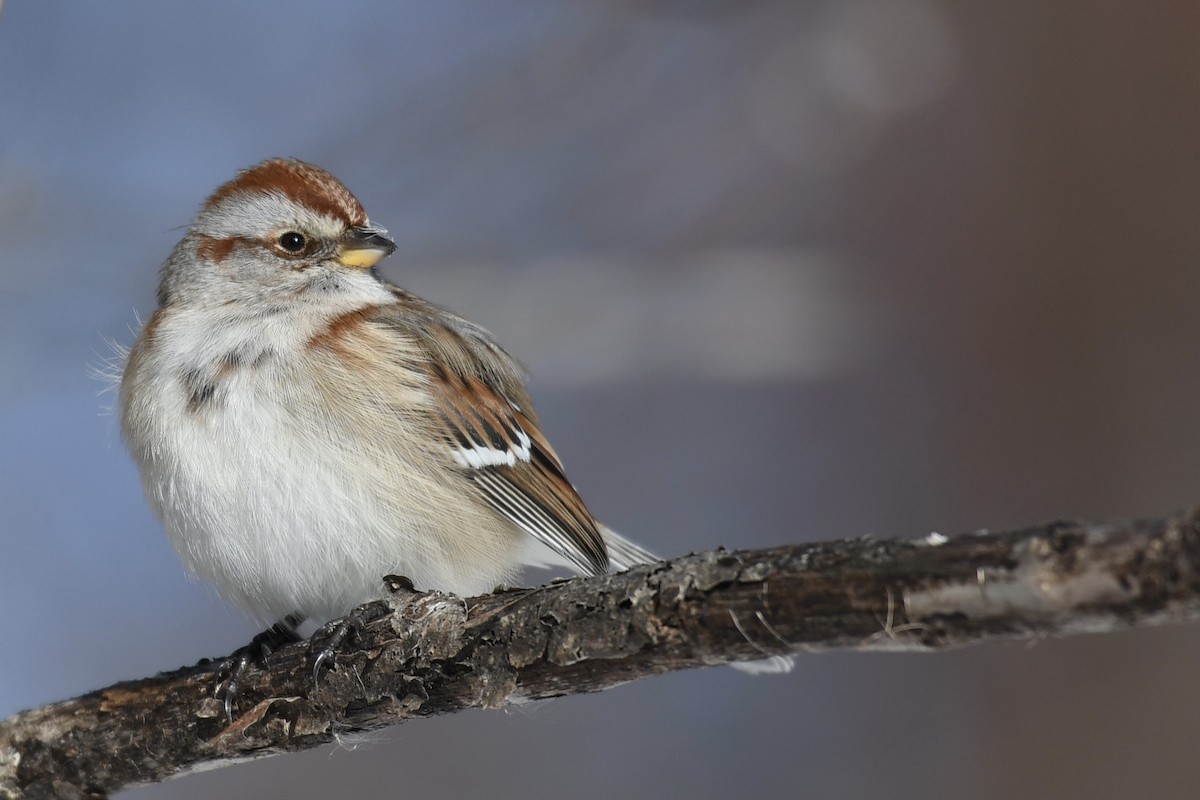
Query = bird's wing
x=491 y=432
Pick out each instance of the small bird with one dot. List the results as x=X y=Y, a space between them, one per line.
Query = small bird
x=304 y=427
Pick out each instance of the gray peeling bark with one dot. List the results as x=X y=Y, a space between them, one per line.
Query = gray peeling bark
x=426 y=654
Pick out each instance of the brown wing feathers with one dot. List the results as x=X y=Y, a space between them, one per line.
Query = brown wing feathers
x=503 y=453
x=491 y=434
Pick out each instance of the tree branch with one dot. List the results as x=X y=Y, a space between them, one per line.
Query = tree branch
x=425 y=654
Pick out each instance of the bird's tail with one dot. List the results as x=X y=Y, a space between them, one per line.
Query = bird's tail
x=622 y=553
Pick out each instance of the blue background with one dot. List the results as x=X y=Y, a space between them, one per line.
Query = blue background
x=781 y=272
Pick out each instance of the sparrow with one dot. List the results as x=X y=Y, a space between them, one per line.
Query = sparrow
x=304 y=428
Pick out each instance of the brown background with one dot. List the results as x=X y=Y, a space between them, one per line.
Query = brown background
x=781 y=271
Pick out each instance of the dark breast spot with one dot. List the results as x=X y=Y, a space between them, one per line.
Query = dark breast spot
x=201 y=390
x=203 y=387
x=234 y=360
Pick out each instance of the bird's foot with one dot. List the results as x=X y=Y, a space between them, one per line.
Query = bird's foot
x=229 y=671
x=335 y=634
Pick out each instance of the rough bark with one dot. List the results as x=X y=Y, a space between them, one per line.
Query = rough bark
x=425 y=654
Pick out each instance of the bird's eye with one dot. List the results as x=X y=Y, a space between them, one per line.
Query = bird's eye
x=292 y=242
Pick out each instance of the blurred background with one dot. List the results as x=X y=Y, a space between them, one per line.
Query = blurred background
x=781 y=272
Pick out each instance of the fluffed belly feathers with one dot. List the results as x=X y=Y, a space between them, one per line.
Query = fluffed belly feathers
x=269 y=489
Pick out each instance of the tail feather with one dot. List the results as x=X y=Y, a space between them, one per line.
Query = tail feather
x=622 y=553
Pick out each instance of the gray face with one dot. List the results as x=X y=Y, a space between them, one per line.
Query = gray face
x=254 y=246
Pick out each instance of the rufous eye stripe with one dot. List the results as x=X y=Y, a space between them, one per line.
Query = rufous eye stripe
x=210 y=248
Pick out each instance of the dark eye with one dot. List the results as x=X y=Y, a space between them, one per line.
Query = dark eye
x=292 y=242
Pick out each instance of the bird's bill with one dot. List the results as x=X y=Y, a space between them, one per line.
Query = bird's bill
x=364 y=247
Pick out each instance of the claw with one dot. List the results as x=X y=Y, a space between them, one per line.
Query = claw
x=325 y=657
x=232 y=686
x=319 y=664
x=349 y=625
x=227 y=679
x=230 y=671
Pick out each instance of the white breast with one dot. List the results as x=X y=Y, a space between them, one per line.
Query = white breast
x=302 y=479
